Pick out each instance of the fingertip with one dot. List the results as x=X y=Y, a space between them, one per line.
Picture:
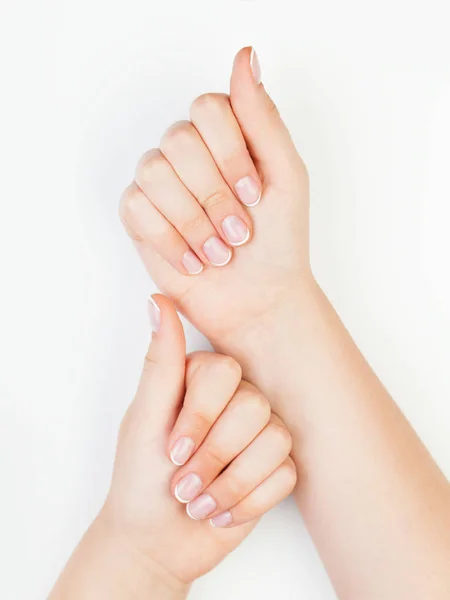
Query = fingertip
x=246 y=70
x=166 y=326
x=162 y=305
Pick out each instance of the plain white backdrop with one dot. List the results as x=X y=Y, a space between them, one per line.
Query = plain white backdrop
x=87 y=87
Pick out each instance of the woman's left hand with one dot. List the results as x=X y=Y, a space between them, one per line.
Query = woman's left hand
x=200 y=458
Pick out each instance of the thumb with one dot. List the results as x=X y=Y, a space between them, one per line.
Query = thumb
x=161 y=388
x=266 y=135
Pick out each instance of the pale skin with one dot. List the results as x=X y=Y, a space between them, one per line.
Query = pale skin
x=374 y=501
x=175 y=510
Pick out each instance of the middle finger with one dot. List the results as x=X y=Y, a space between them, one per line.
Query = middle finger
x=184 y=148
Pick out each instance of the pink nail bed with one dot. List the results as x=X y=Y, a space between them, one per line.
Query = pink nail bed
x=188 y=487
x=221 y=520
x=217 y=251
x=182 y=450
x=192 y=263
x=201 y=507
x=248 y=191
x=235 y=230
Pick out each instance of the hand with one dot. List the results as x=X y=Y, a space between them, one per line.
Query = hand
x=186 y=210
x=234 y=454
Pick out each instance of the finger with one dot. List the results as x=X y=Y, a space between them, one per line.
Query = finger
x=266 y=135
x=166 y=191
x=213 y=118
x=211 y=381
x=244 y=417
x=261 y=458
x=266 y=496
x=194 y=165
x=148 y=227
x=161 y=388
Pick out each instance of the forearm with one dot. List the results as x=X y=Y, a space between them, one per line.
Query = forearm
x=104 y=567
x=374 y=501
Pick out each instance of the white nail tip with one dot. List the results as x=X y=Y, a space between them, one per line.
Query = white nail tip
x=197 y=272
x=189 y=514
x=225 y=262
x=244 y=241
x=177 y=496
x=178 y=464
x=256 y=201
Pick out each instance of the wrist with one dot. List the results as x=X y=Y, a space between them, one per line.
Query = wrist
x=287 y=350
x=139 y=575
x=107 y=566
x=283 y=330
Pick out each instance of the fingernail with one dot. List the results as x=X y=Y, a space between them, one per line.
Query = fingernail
x=192 y=263
x=188 y=487
x=203 y=506
x=217 y=252
x=255 y=66
x=154 y=314
x=248 y=191
x=221 y=520
x=181 y=450
x=235 y=230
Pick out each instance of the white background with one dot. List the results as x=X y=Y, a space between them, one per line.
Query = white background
x=87 y=86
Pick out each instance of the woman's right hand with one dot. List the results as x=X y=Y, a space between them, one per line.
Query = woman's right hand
x=194 y=204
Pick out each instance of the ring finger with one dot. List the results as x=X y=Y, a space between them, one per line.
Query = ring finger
x=263 y=498
x=262 y=457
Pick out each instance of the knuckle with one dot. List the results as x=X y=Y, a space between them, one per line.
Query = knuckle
x=251 y=508
x=236 y=487
x=164 y=237
x=214 y=200
x=227 y=365
x=201 y=423
x=289 y=473
x=192 y=227
x=176 y=134
x=255 y=401
x=215 y=457
x=235 y=158
x=280 y=436
x=130 y=204
x=208 y=101
x=195 y=361
x=211 y=366
x=150 y=363
x=151 y=165
x=272 y=108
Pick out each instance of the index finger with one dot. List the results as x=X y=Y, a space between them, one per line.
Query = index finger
x=211 y=381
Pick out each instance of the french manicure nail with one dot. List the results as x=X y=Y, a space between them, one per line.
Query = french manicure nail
x=235 y=230
x=248 y=191
x=154 y=314
x=201 y=507
x=181 y=450
x=192 y=263
x=255 y=66
x=188 y=487
x=221 y=520
x=217 y=251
